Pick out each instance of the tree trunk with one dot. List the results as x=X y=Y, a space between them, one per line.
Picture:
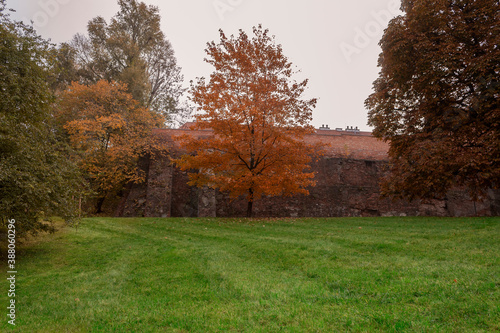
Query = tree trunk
x=249 y=209
x=100 y=202
x=250 y=202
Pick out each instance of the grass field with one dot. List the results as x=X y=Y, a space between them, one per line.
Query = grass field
x=301 y=275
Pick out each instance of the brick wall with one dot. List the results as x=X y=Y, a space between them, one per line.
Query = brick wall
x=347 y=185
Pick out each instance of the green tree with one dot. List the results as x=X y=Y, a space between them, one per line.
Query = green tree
x=132 y=49
x=64 y=69
x=37 y=181
x=437 y=99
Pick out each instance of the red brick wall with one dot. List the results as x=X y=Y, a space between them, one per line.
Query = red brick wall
x=347 y=185
x=361 y=145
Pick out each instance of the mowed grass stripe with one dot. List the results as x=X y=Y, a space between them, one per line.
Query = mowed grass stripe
x=209 y=275
x=259 y=250
x=257 y=285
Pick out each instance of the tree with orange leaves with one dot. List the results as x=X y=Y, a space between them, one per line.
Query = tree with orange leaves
x=109 y=130
x=258 y=121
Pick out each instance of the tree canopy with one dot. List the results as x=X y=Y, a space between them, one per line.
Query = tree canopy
x=258 y=120
x=109 y=131
x=37 y=181
x=132 y=49
x=437 y=98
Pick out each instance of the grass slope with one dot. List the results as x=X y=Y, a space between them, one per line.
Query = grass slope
x=302 y=275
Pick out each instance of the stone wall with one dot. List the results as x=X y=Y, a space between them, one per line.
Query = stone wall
x=347 y=185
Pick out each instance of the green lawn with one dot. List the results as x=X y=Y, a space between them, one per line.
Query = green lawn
x=300 y=275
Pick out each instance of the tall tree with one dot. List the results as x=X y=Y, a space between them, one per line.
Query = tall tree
x=132 y=49
x=37 y=181
x=64 y=69
x=258 y=120
x=110 y=131
x=437 y=99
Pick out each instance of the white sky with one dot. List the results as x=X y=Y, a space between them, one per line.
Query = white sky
x=333 y=43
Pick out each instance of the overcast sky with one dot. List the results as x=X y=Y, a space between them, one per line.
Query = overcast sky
x=333 y=43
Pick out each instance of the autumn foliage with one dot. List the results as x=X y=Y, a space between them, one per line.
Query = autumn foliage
x=130 y=48
x=437 y=99
x=109 y=132
x=257 y=118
